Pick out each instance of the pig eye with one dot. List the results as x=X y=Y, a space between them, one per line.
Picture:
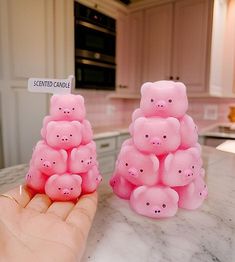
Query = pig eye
x=41 y=159
x=60 y=108
x=152 y=100
x=59 y=188
x=164 y=137
x=82 y=161
x=54 y=162
x=90 y=157
x=71 y=135
x=73 y=108
x=147 y=204
x=146 y=136
x=71 y=188
x=180 y=171
x=164 y=205
x=126 y=164
x=192 y=167
x=204 y=186
x=57 y=135
x=170 y=100
x=141 y=170
x=200 y=193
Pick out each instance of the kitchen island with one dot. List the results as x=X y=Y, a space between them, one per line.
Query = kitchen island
x=203 y=235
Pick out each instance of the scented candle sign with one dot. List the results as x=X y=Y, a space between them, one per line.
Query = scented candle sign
x=63 y=163
x=160 y=168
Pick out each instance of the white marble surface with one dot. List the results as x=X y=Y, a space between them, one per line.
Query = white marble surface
x=203 y=235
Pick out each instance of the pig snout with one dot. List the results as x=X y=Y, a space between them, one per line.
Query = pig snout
x=188 y=173
x=47 y=164
x=65 y=191
x=64 y=138
x=161 y=105
x=156 y=141
x=133 y=172
x=66 y=111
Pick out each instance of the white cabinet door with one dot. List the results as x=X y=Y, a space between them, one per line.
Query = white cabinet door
x=157 y=43
x=26 y=36
x=191 y=43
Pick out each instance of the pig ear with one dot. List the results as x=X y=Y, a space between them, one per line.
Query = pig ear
x=80 y=99
x=173 y=195
x=173 y=122
x=92 y=146
x=202 y=172
x=51 y=125
x=64 y=154
x=139 y=122
x=191 y=188
x=194 y=151
x=138 y=191
x=168 y=161
x=54 y=99
x=78 y=179
x=53 y=178
x=180 y=87
x=76 y=123
x=136 y=114
x=155 y=162
x=145 y=87
x=73 y=153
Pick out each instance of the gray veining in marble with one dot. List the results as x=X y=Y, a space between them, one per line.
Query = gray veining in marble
x=203 y=235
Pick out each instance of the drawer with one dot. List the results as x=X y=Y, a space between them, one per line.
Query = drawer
x=121 y=139
x=105 y=145
x=107 y=164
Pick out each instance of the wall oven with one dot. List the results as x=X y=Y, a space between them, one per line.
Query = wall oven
x=95 y=48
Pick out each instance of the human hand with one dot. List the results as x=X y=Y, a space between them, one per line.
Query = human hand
x=32 y=228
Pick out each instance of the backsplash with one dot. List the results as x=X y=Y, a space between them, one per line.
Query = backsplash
x=103 y=111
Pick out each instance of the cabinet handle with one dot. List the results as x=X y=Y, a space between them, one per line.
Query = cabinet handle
x=171 y=77
x=104 y=145
x=177 y=78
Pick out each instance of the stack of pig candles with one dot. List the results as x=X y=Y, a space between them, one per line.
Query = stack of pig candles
x=160 y=168
x=63 y=163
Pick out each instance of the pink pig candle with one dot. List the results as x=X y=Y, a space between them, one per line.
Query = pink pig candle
x=63 y=163
x=160 y=168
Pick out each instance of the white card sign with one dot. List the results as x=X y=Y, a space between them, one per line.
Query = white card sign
x=53 y=86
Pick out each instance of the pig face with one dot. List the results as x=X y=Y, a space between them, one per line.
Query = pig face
x=181 y=167
x=155 y=202
x=87 y=132
x=156 y=135
x=192 y=195
x=188 y=132
x=91 y=180
x=63 y=134
x=121 y=187
x=136 y=167
x=63 y=187
x=67 y=107
x=36 y=180
x=164 y=99
x=83 y=158
x=48 y=160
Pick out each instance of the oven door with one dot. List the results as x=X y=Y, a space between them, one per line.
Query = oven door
x=89 y=37
x=94 y=75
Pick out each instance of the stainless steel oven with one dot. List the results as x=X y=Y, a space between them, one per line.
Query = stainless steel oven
x=95 y=48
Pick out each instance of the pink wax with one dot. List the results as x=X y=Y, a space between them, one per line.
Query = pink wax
x=63 y=163
x=160 y=168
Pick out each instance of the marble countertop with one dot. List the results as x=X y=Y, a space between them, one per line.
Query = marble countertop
x=214 y=131
x=203 y=235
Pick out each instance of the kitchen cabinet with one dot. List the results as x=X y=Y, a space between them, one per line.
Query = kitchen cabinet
x=176 y=43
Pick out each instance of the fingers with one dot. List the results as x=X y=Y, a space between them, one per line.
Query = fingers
x=39 y=203
x=83 y=213
x=60 y=209
x=21 y=195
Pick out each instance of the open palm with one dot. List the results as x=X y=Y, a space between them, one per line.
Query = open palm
x=32 y=228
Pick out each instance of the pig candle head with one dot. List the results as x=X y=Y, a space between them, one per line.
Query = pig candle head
x=156 y=135
x=82 y=158
x=63 y=187
x=67 y=107
x=181 y=167
x=64 y=134
x=154 y=202
x=48 y=160
x=192 y=195
x=164 y=99
x=121 y=187
x=188 y=132
x=36 y=180
x=136 y=167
